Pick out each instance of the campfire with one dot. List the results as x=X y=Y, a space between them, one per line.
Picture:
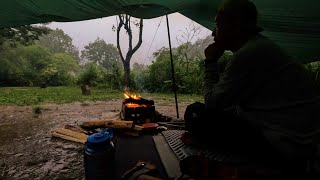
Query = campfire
x=137 y=109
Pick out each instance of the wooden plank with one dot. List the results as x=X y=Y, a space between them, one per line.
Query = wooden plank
x=62 y=136
x=75 y=128
x=72 y=134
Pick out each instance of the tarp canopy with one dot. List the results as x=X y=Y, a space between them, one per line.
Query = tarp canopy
x=293 y=24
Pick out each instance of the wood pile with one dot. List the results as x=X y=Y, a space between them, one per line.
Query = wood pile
x=79 y=133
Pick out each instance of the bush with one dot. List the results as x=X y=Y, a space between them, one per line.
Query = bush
x=91 y=75
x=314 y=70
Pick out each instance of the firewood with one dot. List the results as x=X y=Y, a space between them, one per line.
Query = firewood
x=70 y=133
x=147 y=177
x=110 y=116
x=101 y=123
x=135 y=131
x=132 y=133
x=75 y=129
x=62 y=136
x=138 y=128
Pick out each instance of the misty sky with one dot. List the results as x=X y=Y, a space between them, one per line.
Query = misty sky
x=83 y=32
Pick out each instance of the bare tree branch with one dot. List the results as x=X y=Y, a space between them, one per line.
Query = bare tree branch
x=140 y=37
x=185 y=41
x=118 y=37
x=125 y=22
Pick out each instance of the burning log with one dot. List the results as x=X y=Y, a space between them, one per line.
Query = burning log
x=137 y=109
x=117 y=124
x=140 y=101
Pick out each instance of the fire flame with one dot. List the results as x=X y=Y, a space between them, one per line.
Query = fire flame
x=134 y=105
x=133 y=96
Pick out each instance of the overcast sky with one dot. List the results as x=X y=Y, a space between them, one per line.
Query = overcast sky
x=83 y=32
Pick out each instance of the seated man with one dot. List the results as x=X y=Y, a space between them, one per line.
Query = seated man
x=263 y=104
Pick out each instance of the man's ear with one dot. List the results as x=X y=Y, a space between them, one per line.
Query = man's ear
x=214 y=32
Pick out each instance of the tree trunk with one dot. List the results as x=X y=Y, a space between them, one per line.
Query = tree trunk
x=127 y=70
x=85 y=90
x=124 y=21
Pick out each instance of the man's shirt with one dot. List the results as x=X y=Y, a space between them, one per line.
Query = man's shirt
x=262 y=84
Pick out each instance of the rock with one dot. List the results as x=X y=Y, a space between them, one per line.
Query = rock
x=48 y=166
x=11 y=172
x=57 y=167
x=61 y=161
x=73 y=154
x=69 y=147
x=110 y=115
x=64 y=170
x=17 y=175
x=24 y=176
x=18 y=155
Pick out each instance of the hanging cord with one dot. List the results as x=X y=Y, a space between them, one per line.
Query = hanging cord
x=172 y=68
x=152 y=40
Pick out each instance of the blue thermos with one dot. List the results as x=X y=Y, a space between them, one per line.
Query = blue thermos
x=99 y=156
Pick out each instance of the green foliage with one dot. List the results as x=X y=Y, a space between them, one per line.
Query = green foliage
x=138 y=73
x=59 y=42
x=92 y=75
x=188 y=67
x=314 y=70
x=25 y=35
x=101 y=53
x=114 y=77
x=35 y=96
x=95 y=75
x=30 y=65
x=22 y=64
x=158 y=76
x=62 y=71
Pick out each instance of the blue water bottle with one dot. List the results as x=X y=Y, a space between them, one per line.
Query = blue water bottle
x=99 y=156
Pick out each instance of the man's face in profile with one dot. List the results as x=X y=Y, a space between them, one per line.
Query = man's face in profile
x=225 y=31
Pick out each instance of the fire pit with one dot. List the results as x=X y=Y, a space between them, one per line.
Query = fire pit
x=137 y=109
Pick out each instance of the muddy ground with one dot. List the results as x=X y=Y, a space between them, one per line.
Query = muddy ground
x=27 y=150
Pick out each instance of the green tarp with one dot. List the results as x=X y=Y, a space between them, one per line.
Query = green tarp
x=294 y=24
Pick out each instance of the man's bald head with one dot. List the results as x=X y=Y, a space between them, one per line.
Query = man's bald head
x=236 y=21
x=241 y=11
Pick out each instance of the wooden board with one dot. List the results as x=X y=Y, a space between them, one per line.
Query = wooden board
x=69 y=135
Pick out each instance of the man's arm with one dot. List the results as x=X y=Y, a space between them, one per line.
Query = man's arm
x=211 y=77
x=227 y=90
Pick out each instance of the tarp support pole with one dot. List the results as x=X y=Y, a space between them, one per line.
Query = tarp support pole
x=172 y=68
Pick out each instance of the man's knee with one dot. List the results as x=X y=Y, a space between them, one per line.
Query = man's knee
x=193 y=115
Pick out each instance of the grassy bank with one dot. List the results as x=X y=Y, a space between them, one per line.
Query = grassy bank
x=34 y=95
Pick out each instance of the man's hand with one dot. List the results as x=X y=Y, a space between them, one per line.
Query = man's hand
x=214 y=51
x=188 y=139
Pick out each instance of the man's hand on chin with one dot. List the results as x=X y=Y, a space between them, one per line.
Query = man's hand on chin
x=214 y=51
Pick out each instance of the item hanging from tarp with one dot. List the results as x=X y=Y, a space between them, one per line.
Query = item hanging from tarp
x=293 y=24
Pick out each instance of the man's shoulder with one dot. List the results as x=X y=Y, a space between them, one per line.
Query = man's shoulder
x=260 y=45
x=259 y=41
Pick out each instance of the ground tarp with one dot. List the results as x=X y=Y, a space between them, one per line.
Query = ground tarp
x=293 y=24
